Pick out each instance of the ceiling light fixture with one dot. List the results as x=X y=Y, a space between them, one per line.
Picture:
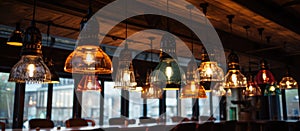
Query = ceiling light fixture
x=88 y=57
x=16 y=38
x=192 y=89
x=287 y=81
x=31 y=68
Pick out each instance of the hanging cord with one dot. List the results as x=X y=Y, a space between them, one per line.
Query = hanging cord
x=190 y=7
x=230 y=18
x=260 y=33
x=204 y=10
x=33 y=14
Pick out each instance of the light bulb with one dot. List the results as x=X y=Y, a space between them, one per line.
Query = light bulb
x=250 y=88
x=126 y=76
x=264 y=76
x=169 y=72
x=229 y=93
x=208 y=72
x=193 y=86
x=90 y=84
x=30 y=70
x=234 y=79
x=90 y=58
x=288 y=84
x=272 y=88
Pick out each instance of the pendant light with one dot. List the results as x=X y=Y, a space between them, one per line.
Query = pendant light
x=89 y=83
x=16 y=37
x=48 y=60
x=252 y=89
x=148 y=90
x=168 y=75
x=264 y=75
x=209 y=71
x=31 y=68
x=125 y=78
x=272 y=89
x=88 y=57
x=192 y=89
x=234 y=78
x=287 y=81
x=219 y=90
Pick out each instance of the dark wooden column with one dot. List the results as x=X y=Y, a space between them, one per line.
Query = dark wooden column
x=125 y=103
x=195 y=112
x=77 y=99
x=162 y=106
x=283 y=99
x=19 y=106
x=49 y=101
x=101 y=115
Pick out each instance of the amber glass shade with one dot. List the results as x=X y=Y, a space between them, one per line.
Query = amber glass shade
x=89 y=83
x=151 y=92
x=192 y=90
x=210 y=71
x=252 y=89
x=16 y=37
x=288 y=82
x=235 y=79
x=88 y=59
x=30 y=69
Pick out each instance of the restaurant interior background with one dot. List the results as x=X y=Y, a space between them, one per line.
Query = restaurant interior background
x=254 y=31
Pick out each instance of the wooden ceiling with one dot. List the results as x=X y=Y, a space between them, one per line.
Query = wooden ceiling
x=279 y=18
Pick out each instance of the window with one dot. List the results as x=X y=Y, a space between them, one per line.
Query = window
x=135 y=105
x=153 y=108
x=292 y=103
x=112 y=102
x=62 y=101
x=186 y=108
x=7 y=90
x=171 y=103
x=35 y=102
x=91 y=105
x=204 y=106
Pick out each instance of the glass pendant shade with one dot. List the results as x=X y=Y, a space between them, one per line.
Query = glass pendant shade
x=234 y=78
x=219 y=89
x=125 y=78
x=167 y=73
x=89 y=83
x=149 y=91
x=252 y=89
x=288 y=82
x=210 y=71
x=192 y=89
x=54 y=75
x=88 y=59
x=16 y=37
x=31 y=68
x=272 y=89
x=264 y=76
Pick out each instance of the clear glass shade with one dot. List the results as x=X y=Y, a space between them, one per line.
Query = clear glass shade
x=210 y=71
x=272 y=89
x=264 y=76
x=88 y=59
x=125 y=78
x=235 y=79
x=30 y=69
x=288 y=82
x=151 y=92
x=167 y=75
x=89 y=83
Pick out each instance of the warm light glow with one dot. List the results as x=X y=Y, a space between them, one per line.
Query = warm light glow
x=264 y=76
x=126 y=76
x=30 y=70
x=15 y=43
x=208 y=72
x=229 y=93
x=234 y=79
x=90 y=58
x=169 y=72
x=250 y=88
x=272 y=88
x=193 y=86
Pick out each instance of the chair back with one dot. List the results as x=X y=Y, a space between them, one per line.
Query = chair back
x=146 y=120
x=79 y=122
x=2 y=124
x=120 y=121
x=41 y=123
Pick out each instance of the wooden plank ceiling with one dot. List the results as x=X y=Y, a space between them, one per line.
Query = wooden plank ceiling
x=66 y=16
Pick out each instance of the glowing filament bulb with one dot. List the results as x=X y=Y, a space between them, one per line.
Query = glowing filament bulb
x=234 y=79
x=169 y=71
x=288 y=84
x=272 y=88
x=250 y=88
x=193 y=86
x=151 y=91
x=30 y=70
x=264 y=76
x=90 y=84
x=89 y=59
x=126 y=76
x=229 y=92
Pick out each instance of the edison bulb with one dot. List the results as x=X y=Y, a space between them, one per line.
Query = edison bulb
x=126 y=76
x=193 y=86
x=169 y=72
x=30 y=70
x=234 y=79
x=90 y=58
x=90 y=84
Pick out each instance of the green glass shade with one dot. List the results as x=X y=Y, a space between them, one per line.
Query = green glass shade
x=272 y=89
